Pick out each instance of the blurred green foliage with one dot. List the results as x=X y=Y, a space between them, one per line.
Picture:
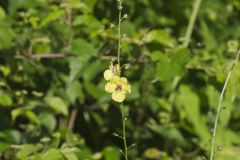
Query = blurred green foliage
x=56 y=108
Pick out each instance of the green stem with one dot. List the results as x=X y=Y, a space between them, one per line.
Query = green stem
x=124 y=132
x=121 y=105
x=220 y=107
x=191 y=23
x=119 y=32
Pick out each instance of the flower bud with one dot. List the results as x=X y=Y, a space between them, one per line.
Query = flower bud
x=112 y=25
x=120 y=7
x=124 y=36
x=127 y=66
x=125 y=16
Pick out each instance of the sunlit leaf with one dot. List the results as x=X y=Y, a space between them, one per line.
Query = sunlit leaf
x=58 y=105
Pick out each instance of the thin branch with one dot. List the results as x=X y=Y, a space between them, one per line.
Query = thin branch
x=72 y=119
x=37 y=56
x=220 y=107
x=141 y=59
x=50 y=55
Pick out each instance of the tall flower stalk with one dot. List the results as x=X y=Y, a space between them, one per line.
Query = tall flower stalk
x=124 y=132
x=119 y=63
x=119 y=30
x=219 y=108
x=118 y=86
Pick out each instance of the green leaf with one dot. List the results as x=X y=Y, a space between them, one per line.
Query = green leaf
x=213 y=96
x=57 y=104
x=91 y=72
x=160 y=36
x=76 y=67
x=164 y=70
x=208 y=37
x=27 y=149
x=90 y=3
x=84 y=154
x=168 y=68
x=94 y=90
x=188 y=104
x=2 y=13
x=15 y=113
x=152 y=153
x=32 y=116
x=70 y=153
x=111 y=153
x=171 y=134
x=82 y=48
x=48 y=120
x=5 y=70
x=85 y=52
x=181 y=56
x=75 y=91
x=77 y=5
x=156 y=56
x=128 y=28
x=6 y=37
x=5 y=100
x=53 y=154
x=89 y=23
x=179 y=60
x=53 y=16
x=191 y=105
x=4 y=146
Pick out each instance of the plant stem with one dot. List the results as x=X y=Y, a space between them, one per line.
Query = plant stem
x=118 y=58
x=191 y=23
x=220 y=107
x=119 y=31
x=124 y=132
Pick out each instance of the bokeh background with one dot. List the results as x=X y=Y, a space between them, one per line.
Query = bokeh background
x=52 y=101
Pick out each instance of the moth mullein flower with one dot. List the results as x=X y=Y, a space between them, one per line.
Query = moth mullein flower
x=113 y=70
x=119 y=87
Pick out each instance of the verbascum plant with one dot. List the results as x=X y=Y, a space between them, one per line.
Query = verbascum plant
x=117 y=85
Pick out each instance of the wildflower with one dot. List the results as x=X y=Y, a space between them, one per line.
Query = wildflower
x=111 y=72
x=119 y=87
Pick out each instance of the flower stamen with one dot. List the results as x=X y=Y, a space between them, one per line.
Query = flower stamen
x=119 y=88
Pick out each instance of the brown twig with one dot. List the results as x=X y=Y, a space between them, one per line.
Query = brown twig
x=37 y=56
x=72 y=119
x=50 y=55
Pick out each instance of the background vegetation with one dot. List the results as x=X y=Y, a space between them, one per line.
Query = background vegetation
x=52 y=100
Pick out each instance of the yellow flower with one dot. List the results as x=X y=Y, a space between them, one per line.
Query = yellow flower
x=119 y=87
x=111 y=72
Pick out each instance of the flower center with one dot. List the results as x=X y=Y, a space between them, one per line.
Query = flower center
x=118 y=88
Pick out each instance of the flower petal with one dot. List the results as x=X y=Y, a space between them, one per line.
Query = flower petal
x=115 y=79
x=128 y=88
x=123 y=80
x=118 y=96
x=108 y=74
x=110 y=87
